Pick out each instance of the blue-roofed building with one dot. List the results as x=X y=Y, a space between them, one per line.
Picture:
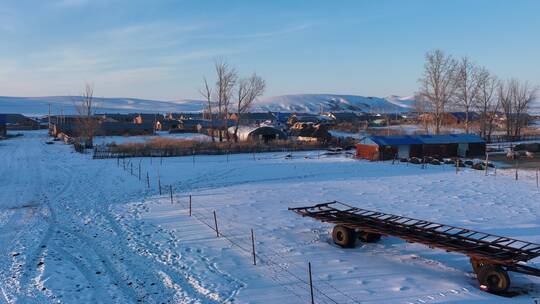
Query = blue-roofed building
x=405 y=146
x=3 y=129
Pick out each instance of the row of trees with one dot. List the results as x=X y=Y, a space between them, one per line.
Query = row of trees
x=229 y=93
x=462 y=85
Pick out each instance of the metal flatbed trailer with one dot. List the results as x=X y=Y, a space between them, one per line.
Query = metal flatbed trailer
x=491 y=256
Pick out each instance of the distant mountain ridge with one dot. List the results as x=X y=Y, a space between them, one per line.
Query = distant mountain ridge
x=309 y=103
x=313 y=103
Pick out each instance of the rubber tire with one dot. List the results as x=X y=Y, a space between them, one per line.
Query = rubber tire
x=494 y=278
x=475 y=264
x=344 y=237
x=368 y=237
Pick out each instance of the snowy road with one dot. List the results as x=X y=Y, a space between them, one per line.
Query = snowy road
x=60 y=241
x=77 y=230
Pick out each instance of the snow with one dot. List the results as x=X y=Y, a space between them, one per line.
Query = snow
x=77 y=230
x=37 y=106
x=403 y=101
x=313 y=103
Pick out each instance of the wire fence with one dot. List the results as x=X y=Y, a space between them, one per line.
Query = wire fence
x=287 y=273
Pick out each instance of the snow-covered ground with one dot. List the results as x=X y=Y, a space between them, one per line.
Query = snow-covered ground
x=78 y=230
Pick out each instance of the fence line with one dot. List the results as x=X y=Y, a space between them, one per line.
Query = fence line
x=279 y=273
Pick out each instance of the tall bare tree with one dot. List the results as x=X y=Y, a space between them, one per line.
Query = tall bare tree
x=87 y=125
x=422 y=110
x=225 y=82
x=206 y=92
x=487 y=102
x=437 y=84
x=466 y=85
x=523 y=96
x=516 y=98
x=249 y=89
x=504 y=95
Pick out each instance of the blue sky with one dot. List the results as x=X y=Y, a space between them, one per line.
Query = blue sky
x=161 y=49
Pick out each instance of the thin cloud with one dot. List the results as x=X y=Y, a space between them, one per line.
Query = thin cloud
x=71 y=3
x=264 y=34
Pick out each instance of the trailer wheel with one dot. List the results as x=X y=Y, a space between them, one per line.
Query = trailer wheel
x=493 y=278
x=369 y=237
x=344 y=237
x=476 y=264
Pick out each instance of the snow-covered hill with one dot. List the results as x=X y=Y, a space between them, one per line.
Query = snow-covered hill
x=35 y=106
x=331 y=102
x=310 y=103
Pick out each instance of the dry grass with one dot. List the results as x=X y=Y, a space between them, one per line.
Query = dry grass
x=179 y=147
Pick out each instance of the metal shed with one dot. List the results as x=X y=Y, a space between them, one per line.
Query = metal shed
x=404 y=146
x=264 y=133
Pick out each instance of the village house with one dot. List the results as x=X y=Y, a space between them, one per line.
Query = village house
x=303 y=131
x=450 y=118
x=20 y=122
x=254 y=119
x=343 y=117
x=309 y=118
x=103 y=128
x=405 y=146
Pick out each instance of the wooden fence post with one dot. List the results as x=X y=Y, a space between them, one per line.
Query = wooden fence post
x=159 y=183
x=486 y=164
x=516 y=165
x=253 y=247
x=537 y=178
x=311 y=283
x=170 y=187
x=147 y=180
x=139 y=170
x=457 y=165
x=131 y=168
x=215 y=222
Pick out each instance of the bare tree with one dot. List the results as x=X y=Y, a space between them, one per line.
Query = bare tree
x=466 y=85
x=87 y=125
x=437 y=84
x=225 y=82
x=206 y=92
x=422 y=110
x=487 y=102
x=504 y=95
x=516 y=98
x=249 y=89
x=523 y=95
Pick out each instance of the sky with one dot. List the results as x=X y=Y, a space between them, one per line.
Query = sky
x=162 y=49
